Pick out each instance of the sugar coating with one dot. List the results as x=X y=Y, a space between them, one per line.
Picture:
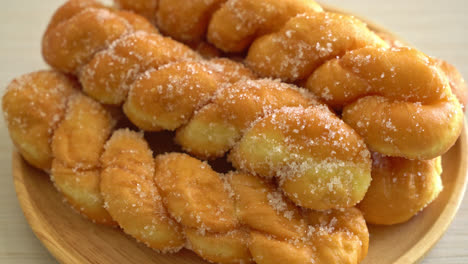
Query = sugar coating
x=320 y=162
x=130 y=195
x=305 y=42
x=76 y=148
x=33 y=106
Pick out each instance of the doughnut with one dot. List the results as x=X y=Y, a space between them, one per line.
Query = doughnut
x=194 y=194
x=61 y=131
x=33 y=106
x=237 y=23
x=77 y=145
x=457 y=83
x=333 y=236
x=166 y=98
x=215 y=128
x=146 y=8
x=164 y=85
x=186 y=21
x=350 y=68
x=321 y=163
x=298 y=49
x=400 y=188
x=128 y=57
x=131 y=196
x=420 y=102
x=299 y=170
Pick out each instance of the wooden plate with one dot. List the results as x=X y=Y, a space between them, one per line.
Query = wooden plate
x=73 y=239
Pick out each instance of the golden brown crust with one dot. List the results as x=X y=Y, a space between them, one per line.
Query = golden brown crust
x=293 y=40
x=260 y=206
x=214 y=129
x=457 y=83
x=130 y=195
x=165 y=99
x=298 y=49
x=129 y=58
x=225 y=248
x=77 y=145
x=68 y=46
x=186 y=21
x=213 y=101
x=400 y=188
x=194 y=194
x=33 y=106
x=146 y=8
x=321 y=163
x=414 y=113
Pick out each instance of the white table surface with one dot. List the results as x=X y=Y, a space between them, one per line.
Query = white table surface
x=438 y=27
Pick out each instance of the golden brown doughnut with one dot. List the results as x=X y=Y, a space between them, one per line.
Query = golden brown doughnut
x=130 y=195
x=165 y=99
x=298 y=49
x=228 y=248
x=68 y=46
x=146 y=8
x=320 y=161
x=77 y=145
x=237 y=23
x=293 y=41
x=129 y=56
x=268 y=250
x=71 y=8
x=33 y=106
x=215 y=128
x=414 y=113
x=186 y=21
x=260 y=206
x=63 y=131
x=292 y=236
x=400 y=188
x=194 y=194
x=202 y=98
x=457 y=83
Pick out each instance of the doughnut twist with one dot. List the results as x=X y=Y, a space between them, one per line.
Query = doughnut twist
x=174 y=201
x=320 y=161
x=414 y=113
x=400 y=188
x=60 y=130
x=457 y=83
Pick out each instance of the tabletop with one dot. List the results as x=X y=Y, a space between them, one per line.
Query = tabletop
x=438 y=27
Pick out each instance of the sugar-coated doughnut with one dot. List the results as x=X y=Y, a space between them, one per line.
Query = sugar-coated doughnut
x=321 y=163
x=33 y=106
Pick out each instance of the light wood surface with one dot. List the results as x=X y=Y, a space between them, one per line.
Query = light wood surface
x=439 y=28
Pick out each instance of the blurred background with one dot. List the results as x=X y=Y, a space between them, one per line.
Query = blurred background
x=439 y=28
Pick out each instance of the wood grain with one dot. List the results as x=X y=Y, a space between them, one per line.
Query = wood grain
x=438 y=28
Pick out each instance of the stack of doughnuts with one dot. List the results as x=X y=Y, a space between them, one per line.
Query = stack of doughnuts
x=309 y=165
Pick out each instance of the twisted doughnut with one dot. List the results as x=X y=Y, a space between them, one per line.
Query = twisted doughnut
x=211 y=103
x=33 y=105
x=175 y=200
x=414 y=113
x=400 y=188
x=225 y=219
x=58 y=129
x=457 y=83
